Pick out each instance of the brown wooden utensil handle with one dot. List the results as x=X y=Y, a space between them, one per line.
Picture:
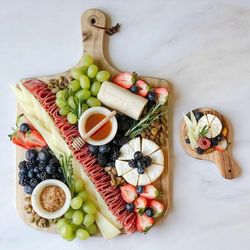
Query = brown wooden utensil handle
x=226 y=164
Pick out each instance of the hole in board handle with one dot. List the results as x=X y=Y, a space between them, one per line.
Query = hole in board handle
x=93 y=20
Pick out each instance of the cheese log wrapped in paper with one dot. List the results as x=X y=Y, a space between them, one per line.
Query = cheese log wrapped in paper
x=122 y=100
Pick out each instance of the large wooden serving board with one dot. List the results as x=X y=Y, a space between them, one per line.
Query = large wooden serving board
x=94 y=44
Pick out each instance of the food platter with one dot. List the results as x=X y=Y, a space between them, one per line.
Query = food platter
x=94 y=45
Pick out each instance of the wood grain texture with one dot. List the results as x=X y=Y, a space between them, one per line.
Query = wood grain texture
x=93 y=44
x=223 y=159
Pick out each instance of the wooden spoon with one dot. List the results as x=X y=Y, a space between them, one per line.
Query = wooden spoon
x=223 y=159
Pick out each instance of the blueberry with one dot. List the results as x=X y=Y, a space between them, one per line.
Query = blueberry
x=24 y=127
x=130 y=207
x=138 y=155
x=50 y=169
x=36 y=170
x=214 y=142
x=140 y=170
x=31 y=154
x=149 y=212
x=28 y=189
x=140 y=164
x=31 y=173
x=104 y=148
x=200 y=151
x=219 y=137
x=93 y=149
x=139 y=189
x=23 y=170
x=43 y=156
x=198 y=115
x=21 y=174
x=134 y=89
x=187 y=141
x=151 y=96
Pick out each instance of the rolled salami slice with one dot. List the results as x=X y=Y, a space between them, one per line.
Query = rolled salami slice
x=122 y=100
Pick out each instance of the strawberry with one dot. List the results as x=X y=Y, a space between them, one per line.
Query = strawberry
x=143 y=87
x=18 y=138
x=157 y=207
x=140 y=204
x=144 y=223
x=128 y=193
x=34 y=139
x=150 y=192
x=162 y=94
x=222 y=145
x=124 y=79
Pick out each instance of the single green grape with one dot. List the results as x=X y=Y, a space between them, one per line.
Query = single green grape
x=83 y=195
x=77 y=217
x=88 y=219
x=95 y=87
x=93 y=102
x=76 y=203
x=69 y=213
x=76 y=73
x=72 y=102
x=92 y=229
x=66 y=231
x=64 y=111
x=84 y=107
x=61 y=103
x=87 y=60
x=84 y=82
x=62 y=94
x=92 y=71
x=82 y=234
x=84 y=69
x=72 y=118
x=102 y=76
x=70 y=237
x=78 y=185
x=60 y=223
x=74 y=85
x=89 y=207
x=83 y=94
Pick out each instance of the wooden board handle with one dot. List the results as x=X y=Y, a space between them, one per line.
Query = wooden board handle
x=226 y=164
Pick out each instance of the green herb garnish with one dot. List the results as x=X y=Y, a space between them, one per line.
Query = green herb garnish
x=204 y=131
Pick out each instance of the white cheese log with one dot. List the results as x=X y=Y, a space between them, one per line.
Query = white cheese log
x=122 y=100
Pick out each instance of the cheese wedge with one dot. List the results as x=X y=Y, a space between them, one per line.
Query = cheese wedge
x=154 y=172
x=122 y=167
x=143 y=179
x=157 y=157
x=148 y=147
x=132 y=177
x=126 y=152
x=135 y=144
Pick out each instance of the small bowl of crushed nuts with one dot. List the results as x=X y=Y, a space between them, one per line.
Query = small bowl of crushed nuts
x=51 y=199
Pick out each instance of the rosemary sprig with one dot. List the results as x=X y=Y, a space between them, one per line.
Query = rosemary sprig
x=204 y=131
x=153 y=114
x=67 y=168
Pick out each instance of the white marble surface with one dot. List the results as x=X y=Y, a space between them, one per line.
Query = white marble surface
x=202 y=47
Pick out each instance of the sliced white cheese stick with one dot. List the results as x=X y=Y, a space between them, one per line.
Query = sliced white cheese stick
x=132 y=177
x=148 y=147
x=135 y=144
x=157 y=157
x=126 y=152
x=122 y=167
x=143 y=179
x=154 y=171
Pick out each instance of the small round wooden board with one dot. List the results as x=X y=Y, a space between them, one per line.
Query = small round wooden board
x=223 y=159
x=93 y=44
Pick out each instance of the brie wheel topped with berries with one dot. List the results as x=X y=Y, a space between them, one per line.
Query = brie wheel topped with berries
x=147 y=148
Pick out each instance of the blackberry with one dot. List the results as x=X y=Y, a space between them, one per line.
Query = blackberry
x=132 y=163
x=21 y=175
x=147 y=160
x=22 y=164
x=31 y=164
x=33 y=182
x=47 y=149
x=23 y=170
x=42 y=167
x=114 y=155
x=120 y=140
x=102 y=159
x=43 y=176
x=104 y=148
x=123 y=126
x=93 y=149
x=54 y=161
x=23 y=181
x=58 y=176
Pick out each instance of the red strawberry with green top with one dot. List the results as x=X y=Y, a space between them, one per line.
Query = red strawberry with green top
x=19 y=138
x=143 y=87
x=140 y=204
x=157 y=207
x=128 y=193
x=162 y=94
x=150 y=192
x=124 y=79
x=34 y=139
x=144 y=223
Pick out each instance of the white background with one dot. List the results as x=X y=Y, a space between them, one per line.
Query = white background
x=202 y=47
